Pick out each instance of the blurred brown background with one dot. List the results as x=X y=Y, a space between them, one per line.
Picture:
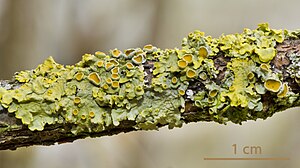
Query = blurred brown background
x=32 y=30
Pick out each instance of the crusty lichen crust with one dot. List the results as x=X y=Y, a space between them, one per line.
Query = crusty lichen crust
x=151 y=86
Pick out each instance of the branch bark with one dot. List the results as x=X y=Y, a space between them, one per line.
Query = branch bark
x=284 y=67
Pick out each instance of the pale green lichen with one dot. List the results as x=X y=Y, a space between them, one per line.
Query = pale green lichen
x=241 y=89
x=103 y=90
x=294 y=68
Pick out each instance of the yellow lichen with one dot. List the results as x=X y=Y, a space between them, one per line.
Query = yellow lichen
x=94 y=78
x=190 y=73
x=114 y=62
x=100 y=63
x=213 y=93
x=115 y=76
x=105 y=86
x=250 y=75
x=109 y=65
x=181 y=92
x=272 y=84
x=53 y=93
x=108 y=80
x=23 y=76
x=265 y=54
x=164 y=86
x=129 y=65
x=77 y=100
x=91 y=114
x=188 y=58
x=115 y=70
x=116 y=53
x=99 y=53
x=283 y=91
x=239 y=89
x=138 y=59
x=83 y=117
x=115 y=84
x=149 y=48
x=265 y=67
x=129 y=74
x=139 y=90
x=129 y=52
x=174 y=80
x=182 y=64
x=203 y=52
x=79 y=76
x=75 y=112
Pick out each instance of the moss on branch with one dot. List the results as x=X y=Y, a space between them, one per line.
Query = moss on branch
x=235 y=78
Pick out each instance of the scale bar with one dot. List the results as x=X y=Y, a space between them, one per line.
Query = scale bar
x=261 y=158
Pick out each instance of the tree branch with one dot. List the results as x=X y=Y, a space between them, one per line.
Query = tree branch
x=233 y=78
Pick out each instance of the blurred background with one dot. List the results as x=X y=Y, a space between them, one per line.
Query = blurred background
x=32 y=30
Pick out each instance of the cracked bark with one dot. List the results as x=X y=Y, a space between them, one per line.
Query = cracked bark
x=13 y=134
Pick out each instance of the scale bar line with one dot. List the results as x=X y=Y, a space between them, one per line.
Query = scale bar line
x=242 y=158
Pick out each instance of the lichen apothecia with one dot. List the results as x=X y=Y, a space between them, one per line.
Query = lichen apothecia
x=105 y=89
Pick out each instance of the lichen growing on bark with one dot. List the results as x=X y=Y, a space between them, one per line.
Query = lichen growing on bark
x=226 y=78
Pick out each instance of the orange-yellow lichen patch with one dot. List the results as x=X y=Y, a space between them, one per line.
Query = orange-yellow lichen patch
x=188 y=58
x=149 y=47
x=182 y=64
x=75 y=112
x=213 y=93
x=94 y=78
x=116 y=53
x=83 y=117
x=138 y=59
x=181 y=92
x=272 y=85
x=109 y=65
x=91 y=114
x=174 y=80
x=77 y=100
x=129 y=52
x=164 y=86
x=283 y=91
x=265 y=67
x=129 y=65
x=115 y=76
x=79 y=76
x=250 y=75
x=190 y=73
x=105 y=86
x=100 y=63
x=203 y=52
x=108 y=80
x=114 y=62
x=115 y=70
x=115 y=84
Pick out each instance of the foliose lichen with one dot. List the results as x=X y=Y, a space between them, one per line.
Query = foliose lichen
x=102 y=90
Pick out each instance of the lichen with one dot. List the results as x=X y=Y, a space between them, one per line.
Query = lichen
x=152 y=87
x=273 y=85
x=241 y=89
